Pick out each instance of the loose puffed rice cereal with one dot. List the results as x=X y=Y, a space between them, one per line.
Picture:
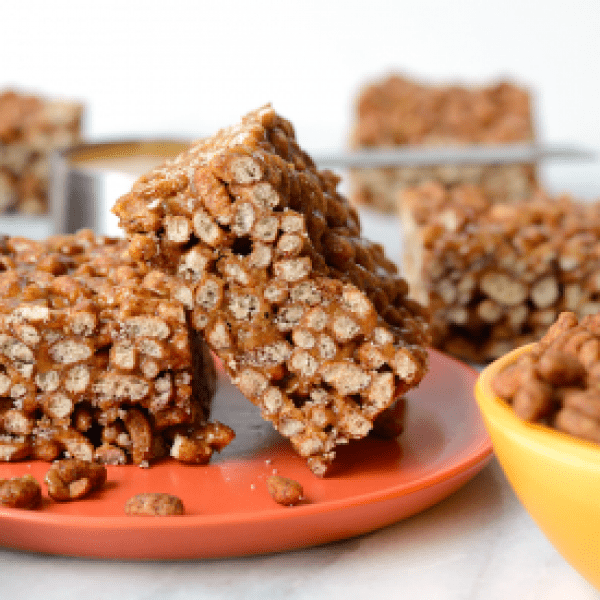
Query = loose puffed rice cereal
x=557 y=381
x=154 y=504
x=20 y=492
x=284 y=491
x=72 y=479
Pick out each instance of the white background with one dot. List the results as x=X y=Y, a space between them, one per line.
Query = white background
x=184 y=67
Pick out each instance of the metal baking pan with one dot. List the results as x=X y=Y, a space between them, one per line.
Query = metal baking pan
x=421 y=156
x=87 y=179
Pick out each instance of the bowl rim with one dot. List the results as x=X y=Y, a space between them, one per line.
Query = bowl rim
x=540 y=438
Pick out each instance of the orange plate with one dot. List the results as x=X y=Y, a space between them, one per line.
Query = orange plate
x=228 y=509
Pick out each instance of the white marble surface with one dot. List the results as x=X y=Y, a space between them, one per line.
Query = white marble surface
x=478 y=544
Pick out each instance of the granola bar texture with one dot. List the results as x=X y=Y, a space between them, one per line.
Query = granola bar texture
x=495 y=275
x=97 y=361
x=398 y=111
x=31 y=129
x=312 y=322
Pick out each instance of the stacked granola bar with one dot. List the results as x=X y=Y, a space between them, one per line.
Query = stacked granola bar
x=97 y=361
x=31 y=128
x=496 y=275
x=311 y=320
x=400 y=112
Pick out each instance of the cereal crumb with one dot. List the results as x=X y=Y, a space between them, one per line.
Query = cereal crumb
x=556 y=381
x=20 y=492
x=154 y=504
x=284 y=491
x=73 y=478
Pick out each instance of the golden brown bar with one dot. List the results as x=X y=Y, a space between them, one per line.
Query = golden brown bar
x=310 y=319
x=97 y=361
x=496 y=275
x=31 y=128
x=400 y=112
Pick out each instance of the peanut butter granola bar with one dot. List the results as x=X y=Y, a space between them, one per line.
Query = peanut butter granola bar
x=398 y=111
x=97 y=361
x=497 y=275
x=311 y=320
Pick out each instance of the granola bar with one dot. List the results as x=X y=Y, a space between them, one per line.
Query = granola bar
x=311 y=320
x=496 y=275
x=398 y=111
x=97 y=361
x=31 y=128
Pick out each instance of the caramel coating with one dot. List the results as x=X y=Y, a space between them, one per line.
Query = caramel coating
x=308 y=317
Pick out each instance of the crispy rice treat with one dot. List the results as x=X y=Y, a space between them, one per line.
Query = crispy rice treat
x=312 y=321
x=31 y=128
x=496 y=275
x=397 y=111
x=557 y=381
x=97 y=361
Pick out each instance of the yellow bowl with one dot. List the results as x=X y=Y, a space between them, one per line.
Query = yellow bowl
x=555 y=476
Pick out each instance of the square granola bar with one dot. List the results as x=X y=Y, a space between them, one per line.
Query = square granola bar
x=97 y=361
x=311 y=320
x=31 y=129
x=401 y=112
x=494 y=275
